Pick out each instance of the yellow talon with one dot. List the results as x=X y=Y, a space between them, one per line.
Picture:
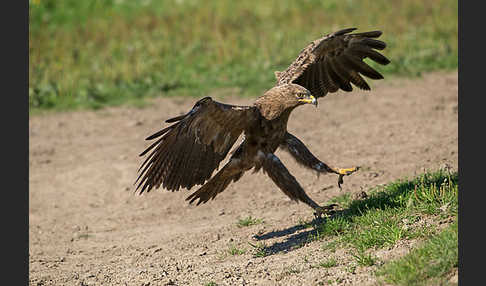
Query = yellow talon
x=345 y=172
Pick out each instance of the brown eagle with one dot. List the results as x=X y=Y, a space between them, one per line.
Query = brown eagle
x=187 y=152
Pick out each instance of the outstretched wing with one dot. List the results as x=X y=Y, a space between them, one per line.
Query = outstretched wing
x=189 y=150
x=334 y=61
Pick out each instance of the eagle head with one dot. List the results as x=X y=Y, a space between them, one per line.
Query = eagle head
x=283 y=97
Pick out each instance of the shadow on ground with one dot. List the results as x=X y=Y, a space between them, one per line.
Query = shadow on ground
x=388 y=197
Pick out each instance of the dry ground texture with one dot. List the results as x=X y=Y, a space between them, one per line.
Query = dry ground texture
x=86 y=226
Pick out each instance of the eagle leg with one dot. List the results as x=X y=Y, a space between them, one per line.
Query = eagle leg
x=279 y=174
x=305 y=158
x=329 y=209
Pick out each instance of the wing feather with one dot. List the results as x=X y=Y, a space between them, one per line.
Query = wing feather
x=370 y=34
x=189 y=150
x=330 y=84
x=336 y=60
x=342 y=73
x=358 y=81
x=358 y=65
x=336 y=76
x=366 y=52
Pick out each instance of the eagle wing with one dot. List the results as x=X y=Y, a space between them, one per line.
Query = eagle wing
x=188 y=151
x=334 y=61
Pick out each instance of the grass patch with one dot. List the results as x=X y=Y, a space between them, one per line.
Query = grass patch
x=330 y=246
x=364 y=259
x=260 y=249
x=391 y=212
x=427 y=265
x=377 y=228
x=233 y=250
x=401 y=210
x=89 y=54
x=342 y=200
x=249 y=221
x=331 y=262
x=335 y=226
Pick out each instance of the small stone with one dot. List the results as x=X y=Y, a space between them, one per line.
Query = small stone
x=136 y=123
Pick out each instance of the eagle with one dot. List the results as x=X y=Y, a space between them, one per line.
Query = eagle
x=187 y=152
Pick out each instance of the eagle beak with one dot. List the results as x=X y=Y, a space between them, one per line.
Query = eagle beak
x=310 y=99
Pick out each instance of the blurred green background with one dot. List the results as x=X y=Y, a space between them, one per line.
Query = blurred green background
x=107 y=52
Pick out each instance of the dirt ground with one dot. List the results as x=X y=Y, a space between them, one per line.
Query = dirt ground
x=87 y=227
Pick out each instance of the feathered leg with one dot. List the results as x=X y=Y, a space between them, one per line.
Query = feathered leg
x=304 y=157
x=279 y=174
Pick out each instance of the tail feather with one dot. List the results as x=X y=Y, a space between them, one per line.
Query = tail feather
x=214 y=186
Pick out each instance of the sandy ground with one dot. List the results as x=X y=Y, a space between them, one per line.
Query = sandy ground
x=87 y=227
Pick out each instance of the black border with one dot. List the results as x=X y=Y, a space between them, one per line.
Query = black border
x=471 y=143
x=15 y=139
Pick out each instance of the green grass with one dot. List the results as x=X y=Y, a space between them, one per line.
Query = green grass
x=249 y=221
x=426 y=265
x=97 y=53
x=331 y=262
x=260 y=249
x=330 y=246
x=233 y=250
x=393 y=212
x=364 y=259
x=401 y=210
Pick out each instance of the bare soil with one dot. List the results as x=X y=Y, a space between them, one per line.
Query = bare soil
x=87 y=227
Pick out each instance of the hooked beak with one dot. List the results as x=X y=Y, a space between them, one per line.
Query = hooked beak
x=310 y=99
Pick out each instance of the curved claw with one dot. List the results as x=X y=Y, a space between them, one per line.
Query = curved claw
x=340 y=181
x=319 y=211
x=345 y=172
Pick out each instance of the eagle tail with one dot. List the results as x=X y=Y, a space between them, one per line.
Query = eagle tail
x=214 y=186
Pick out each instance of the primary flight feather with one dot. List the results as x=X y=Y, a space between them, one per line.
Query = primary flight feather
x=187 y=152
